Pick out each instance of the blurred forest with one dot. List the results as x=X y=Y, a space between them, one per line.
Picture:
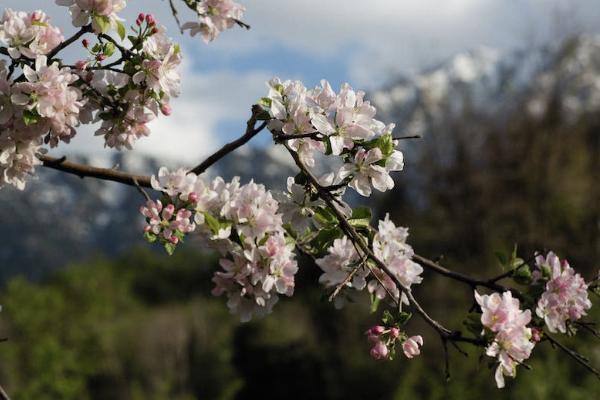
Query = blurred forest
x=143 y=326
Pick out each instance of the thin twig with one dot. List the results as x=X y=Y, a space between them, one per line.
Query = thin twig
x=574 y=355
x=407 y=137
x=141 y=190
x=175 y=15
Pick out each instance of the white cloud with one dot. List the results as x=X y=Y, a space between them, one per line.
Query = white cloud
x=191 y=132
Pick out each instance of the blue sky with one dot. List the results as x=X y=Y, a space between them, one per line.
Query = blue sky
x=366 y=43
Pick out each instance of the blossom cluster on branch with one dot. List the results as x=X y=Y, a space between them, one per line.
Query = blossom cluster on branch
x=124 y=82
x=241 y=222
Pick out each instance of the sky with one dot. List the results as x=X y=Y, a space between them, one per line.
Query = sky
x=365 y=43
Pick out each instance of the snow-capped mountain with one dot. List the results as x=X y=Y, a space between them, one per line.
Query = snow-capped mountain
x=492 y=85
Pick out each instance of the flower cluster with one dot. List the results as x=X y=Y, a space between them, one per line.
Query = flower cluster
x=389 y=246
x=215 y=16
x=511 y=338
x=167 y=223
x=384 y=340
x=49 y=100
x=241 y=222
x=342 y=124
x=127 y=101
x=101 y=13
x=44 y=108
x=28 y=34
x=566 y=294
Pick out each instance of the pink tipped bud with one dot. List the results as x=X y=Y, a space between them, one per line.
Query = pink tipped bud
x=379 y=351
x=394 y=332
x=193 y=197
x=81 y=65
x=536 y=335
x=36 y=16
x=377 y=330
x=100 y=57
x=174 y=239
x=147 y=228
x=141 y=16
x=85 y=43
x=166 y=109
x=154 y=30
x=150 y=20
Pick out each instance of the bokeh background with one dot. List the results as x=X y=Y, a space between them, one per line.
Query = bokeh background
x=506 y=97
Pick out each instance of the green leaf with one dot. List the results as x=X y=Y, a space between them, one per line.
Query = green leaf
x=388 y=318
x=30 y=117
x=361 y=217
x=108 y=49
x=328 y=147
x=170 y=248
x=121 y=30
x=324 y=217
x=523 y=275
x=265 y=102
x=103 y=22
x=150 y=237
x=212 y=222
x=325 y=238
x=374 y=303
x=403 y=317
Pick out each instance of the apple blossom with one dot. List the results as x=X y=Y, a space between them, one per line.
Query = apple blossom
x=340 y=261
x=512 y=343
x=101 y=13
x=28 y=34
x=411 y=346
x=566 y=294
x=214 y=16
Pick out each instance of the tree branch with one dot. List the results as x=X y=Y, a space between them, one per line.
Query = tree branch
x=251 y=131
x=3 y=395
x=84 y=29
x=574 y=355
x=358 y=240
x=85 y=171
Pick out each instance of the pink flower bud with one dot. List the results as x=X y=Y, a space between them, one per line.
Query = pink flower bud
x=174 y=239
x=147 y=228
x=394 y=332
x=141 y=16
x=85 y=43
x=154 y=30
x=379 y=351
x=150 y=20
x=36 y=16
x=166 y=109
x=193 y=197
x=377 y=330
x=81 y=65
x=100 y=57
x=372 y=338
x=536 y=335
